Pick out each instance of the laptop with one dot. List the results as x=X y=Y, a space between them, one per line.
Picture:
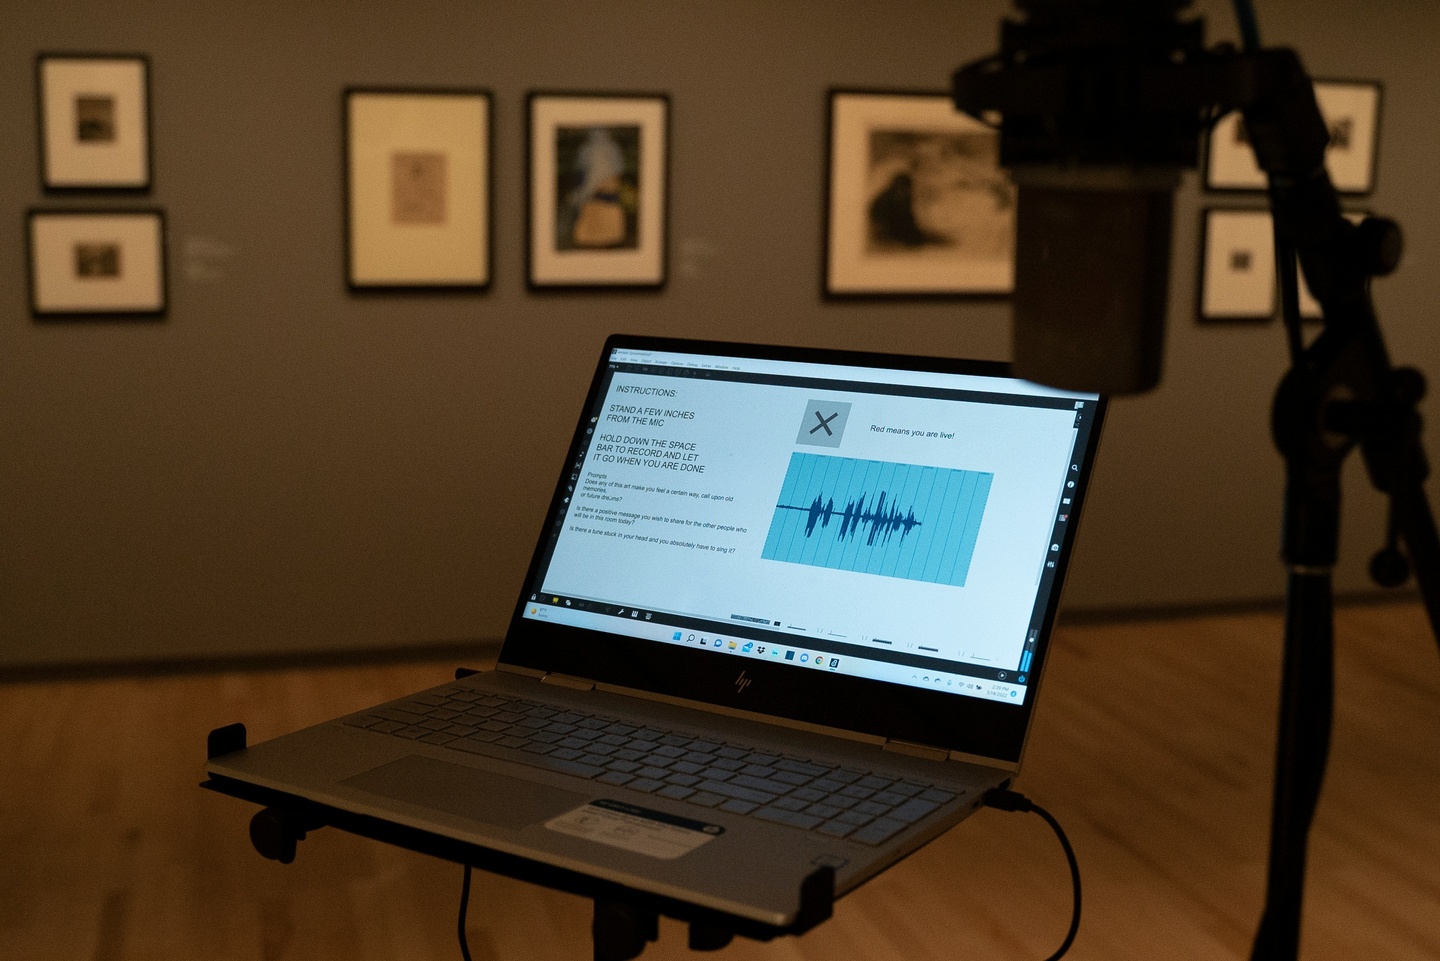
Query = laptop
x=789 y=608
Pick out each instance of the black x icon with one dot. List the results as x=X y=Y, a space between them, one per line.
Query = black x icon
x=824 y=422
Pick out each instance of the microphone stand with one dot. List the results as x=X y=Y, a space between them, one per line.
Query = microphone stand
x=1341 y=392
x=1122 y=85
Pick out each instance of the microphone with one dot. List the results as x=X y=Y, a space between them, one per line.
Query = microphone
x=1100 y=109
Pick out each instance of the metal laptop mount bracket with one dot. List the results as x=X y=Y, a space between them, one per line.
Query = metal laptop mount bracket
x=624 y=919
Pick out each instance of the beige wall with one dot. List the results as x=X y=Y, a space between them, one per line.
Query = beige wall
x=282 y=467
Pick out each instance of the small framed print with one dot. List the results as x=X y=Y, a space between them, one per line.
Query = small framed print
x=1237 y=266
x=418 y=189
x=97 y=263
x=1351 y=109
x=597 y=197
x=94 y=121
x=917 y=203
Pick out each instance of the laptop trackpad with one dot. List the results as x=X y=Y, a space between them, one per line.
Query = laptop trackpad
x=465 y=792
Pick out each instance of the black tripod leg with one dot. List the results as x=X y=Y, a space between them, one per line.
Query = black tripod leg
x=1306 y=708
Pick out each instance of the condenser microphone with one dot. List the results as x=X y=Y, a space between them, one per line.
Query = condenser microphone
x=1097 y=119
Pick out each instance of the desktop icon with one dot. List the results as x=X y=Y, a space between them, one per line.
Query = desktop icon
x=746 y=648
x=732 y=645
x=789 y=655
x=834 y=662
x=718 y=642
x=676 y=636
x=804 y=658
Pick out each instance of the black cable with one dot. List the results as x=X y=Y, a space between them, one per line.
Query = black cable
x=464 y=907
x=1006 y=800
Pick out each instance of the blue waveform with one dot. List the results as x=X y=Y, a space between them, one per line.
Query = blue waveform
x=883 y=521
x=909 y=521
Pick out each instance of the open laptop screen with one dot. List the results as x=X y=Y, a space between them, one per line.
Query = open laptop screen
x=844 y=515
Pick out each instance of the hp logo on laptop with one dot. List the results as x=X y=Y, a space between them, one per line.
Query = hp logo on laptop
x=741 y=683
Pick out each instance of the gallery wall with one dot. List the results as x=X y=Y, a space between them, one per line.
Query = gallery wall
x=280 y=466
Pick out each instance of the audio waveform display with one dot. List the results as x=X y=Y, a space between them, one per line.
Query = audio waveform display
x=877 y=517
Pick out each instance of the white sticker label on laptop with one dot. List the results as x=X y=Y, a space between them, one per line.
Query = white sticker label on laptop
x=637 y=829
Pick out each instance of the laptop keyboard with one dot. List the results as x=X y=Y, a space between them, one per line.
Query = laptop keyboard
x=841 y=802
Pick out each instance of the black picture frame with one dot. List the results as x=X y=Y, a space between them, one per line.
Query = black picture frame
x=1226 y=291
x=97 y=264
x=94 y=122
x=1228 y=166
x=922 y=254
x=599 y=239
x=419 y=189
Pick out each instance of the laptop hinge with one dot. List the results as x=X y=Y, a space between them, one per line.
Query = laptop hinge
x=917 y=750
x=565 y=680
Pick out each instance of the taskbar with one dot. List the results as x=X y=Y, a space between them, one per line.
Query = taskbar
x=812 y=653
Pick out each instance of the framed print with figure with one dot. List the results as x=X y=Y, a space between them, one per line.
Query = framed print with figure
x=94 y=121
x=96 y=263
x=917 y=203
x=597 y=191
x=418 y=189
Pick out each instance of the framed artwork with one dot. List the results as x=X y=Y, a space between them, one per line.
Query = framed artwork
x=1237 y=266
x=418 y=189
x=1352 y=112
x=94 y=114
x=917 y=204
x=97 y=263
x=598 y=190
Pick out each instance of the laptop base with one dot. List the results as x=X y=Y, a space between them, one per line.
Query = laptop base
x=625 y=919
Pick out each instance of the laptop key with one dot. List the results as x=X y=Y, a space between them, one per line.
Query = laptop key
x=705 y=799
x=872 y=809
x=875 y=783
x=566 y=753
x=437 y=737
x=627 y=767
x=878 y=831
x=512 y=741
x=737 y=806
x=413 y=732
x=914 y=809
x=808 y=794
x=367 y=720
x=675 y=791
x=386 y=727
x=790 y=777
x=615 y=777
x=760 y=784
x=647 y=784
x=684 y=780
x=732 y=753
x=791 y=804
x=836 y=829
x=889 y=797
x=538 y=747
x=802 y=767
x=554 y=763
x=793 y=818
x=822 y=810
x=735 y=791
x=937 y=796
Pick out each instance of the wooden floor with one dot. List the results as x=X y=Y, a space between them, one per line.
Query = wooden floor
x=1153 y=747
